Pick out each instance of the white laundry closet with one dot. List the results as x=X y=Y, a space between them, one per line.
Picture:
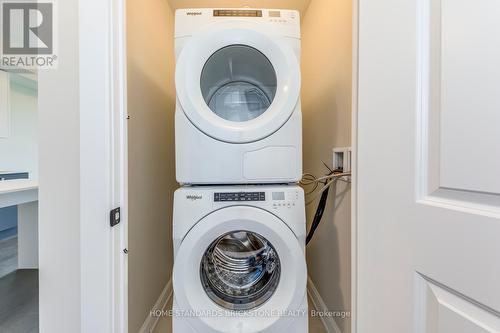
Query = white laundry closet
x=326 y=69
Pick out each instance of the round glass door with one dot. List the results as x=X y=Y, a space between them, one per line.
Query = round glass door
x=240 y=270
x=238 y=83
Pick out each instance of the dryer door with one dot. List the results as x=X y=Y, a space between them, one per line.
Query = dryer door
x=236 y=84
x=239 y=259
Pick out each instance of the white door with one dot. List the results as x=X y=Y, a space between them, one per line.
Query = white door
x=428 y=186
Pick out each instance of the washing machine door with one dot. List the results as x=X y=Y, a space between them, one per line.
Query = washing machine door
x=237 y=84
x=237 y=269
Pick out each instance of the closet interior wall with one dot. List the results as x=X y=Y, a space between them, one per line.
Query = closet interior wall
x=151 y=162
x=326 y=107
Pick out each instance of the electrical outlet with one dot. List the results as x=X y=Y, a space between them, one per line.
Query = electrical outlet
x=342 y=159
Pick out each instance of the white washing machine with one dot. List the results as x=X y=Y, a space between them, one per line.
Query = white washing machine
x=239 y=260
x=238 y=117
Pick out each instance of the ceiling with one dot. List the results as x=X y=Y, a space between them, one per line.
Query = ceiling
x=300 y=5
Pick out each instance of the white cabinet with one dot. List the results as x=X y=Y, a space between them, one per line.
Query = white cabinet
x=4 y=104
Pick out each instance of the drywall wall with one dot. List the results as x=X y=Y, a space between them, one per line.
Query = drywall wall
x=326 y=104
x=59 y=181
x=151 y=106
x=4 y=104
x=19 y=151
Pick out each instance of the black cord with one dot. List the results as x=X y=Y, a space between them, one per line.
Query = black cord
x=321 y=205
x=318 y=215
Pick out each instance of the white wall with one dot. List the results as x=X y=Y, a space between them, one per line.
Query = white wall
x=59 y=193
x=76 y=189
x=4 y=104
x=326 y=104
x=19 y=151
x=151 y=106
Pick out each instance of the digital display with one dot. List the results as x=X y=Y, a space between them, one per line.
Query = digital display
x=278 y=195
x=274 y=13
x=238 y=12
x=240 y=196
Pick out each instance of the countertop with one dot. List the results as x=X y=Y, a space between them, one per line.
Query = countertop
x=18 y=191
x=17 y=185
x=9 y=172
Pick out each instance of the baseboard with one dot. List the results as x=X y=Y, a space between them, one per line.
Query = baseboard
x=150 y=323
x=317 y=301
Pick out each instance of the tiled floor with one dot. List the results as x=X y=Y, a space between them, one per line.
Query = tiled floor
x=165 y=323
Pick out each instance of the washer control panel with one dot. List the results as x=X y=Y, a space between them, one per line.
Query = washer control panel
x=275 y=199
x=239 y=196
x=282 y=199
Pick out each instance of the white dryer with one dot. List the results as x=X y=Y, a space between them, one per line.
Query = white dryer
x=239 y=261
x=238 y=117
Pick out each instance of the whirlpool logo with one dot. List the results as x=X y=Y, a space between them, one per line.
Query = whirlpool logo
x=194 y=197
x=193 y=13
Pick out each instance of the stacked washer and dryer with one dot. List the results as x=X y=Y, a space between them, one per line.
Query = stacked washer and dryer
x=239 y=218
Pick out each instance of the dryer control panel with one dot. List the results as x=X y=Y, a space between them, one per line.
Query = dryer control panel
x=238 y=12
x=284 y=22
